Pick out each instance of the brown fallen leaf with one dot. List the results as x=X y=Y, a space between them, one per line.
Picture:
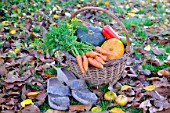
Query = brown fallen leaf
x=86 y=107
x=41 y=97
x=7 y=111
x=164 y=111
x=3 y=70
x=164 y=73
x=54 y=111
x=32 y=93
x=162 y=104
x=31 y=109
x=28 y=59
x=144 y=105
x=153 y=62
x=157 y=51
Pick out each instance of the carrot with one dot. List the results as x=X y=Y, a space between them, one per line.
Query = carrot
x=99 y=59
x=104 y=57
x=85 y=63
x=101 y=50
x=95 y=63
x=91 y=54
x=80 y=63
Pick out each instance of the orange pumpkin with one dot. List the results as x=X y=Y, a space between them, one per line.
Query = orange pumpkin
x=114 y=47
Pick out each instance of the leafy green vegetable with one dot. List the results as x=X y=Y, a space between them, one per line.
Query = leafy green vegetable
x=62 y=38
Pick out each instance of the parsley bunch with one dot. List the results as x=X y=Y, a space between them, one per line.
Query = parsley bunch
x=62 y=38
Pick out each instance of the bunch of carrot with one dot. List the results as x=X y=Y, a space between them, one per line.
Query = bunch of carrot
x=95 y=58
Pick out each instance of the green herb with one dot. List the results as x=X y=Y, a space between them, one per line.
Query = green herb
x=62 y=38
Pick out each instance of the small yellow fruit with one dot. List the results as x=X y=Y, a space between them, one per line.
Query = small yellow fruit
x=96 y=109
x=121 y=100
x=110 y=96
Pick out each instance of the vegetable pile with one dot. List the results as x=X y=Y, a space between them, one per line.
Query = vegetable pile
x=89 y=45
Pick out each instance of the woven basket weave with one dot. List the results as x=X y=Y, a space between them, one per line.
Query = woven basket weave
x=112 y=70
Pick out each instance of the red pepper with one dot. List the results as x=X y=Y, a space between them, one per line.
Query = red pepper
x=109 y=33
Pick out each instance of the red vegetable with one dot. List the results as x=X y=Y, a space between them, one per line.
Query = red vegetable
x=109 y=33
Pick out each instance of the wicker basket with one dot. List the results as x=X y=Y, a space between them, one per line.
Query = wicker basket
x=112 y=70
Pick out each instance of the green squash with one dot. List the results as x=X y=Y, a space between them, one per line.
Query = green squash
x=93 y=35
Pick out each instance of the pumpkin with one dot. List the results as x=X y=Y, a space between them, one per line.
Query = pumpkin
x=114 y=47
x=93 y=35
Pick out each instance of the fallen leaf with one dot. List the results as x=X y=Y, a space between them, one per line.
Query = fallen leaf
x=7 y=111
x=147 y=48
x=13 y=31
x=54 y=111
x=26 y=102
x=3 y=70
x=86 y=107
x=144 y=105
x=157 y=51
x=96 y=109
x=145 y=72
x=168 y=58
x=32 y=93
x=153 y=62
x=41 y=97
x=107 y=3
x=4 y=22
x=162 y=104
x=31 y=109
x=47 y=1
x=28 y=59
x=17 y=50
x=55 y=16
x=150 y=88
x=125 y=87
x=116 y=110
x=164 y=73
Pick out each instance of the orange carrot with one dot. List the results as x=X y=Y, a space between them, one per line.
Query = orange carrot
x=95 y=63
x=101 y=50
x=80 y=63
x=91 y=54
x=99 y=59
x=85 y=63
x=104 y=57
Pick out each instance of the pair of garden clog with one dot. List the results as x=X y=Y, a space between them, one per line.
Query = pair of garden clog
x=64 y=85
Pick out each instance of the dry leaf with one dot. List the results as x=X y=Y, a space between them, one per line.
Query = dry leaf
x=107 y=3
x=55 y=16
x=26 y=102
x=157 y=51
x=31 y=109
x=86 y=107
x=147 y=48
x=32 y=93
x=116 y=110
x=13 y=31
x=163 y=73
x=150 y=88
x=54 y=111
x=17 y=50
x=144 y=105
x=125 y=87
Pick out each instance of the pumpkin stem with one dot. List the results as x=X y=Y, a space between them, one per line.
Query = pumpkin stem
x=90 y=32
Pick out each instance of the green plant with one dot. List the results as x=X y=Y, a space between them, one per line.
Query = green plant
x=104 y=104
x=63 y=38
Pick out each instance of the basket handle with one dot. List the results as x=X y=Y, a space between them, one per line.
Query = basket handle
x=128 y=50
